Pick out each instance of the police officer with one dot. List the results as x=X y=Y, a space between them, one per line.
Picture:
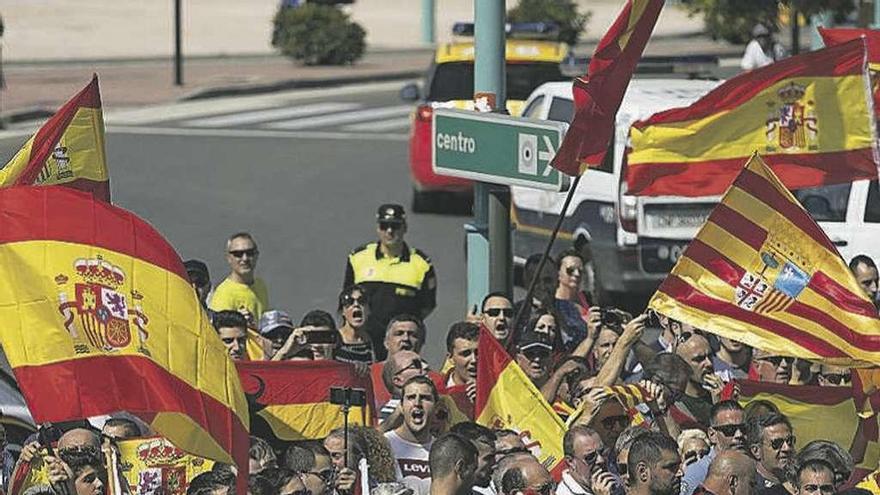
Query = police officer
x=398 y=278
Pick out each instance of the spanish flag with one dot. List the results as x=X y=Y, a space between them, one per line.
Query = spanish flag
x=153 y=465
x=762 y=272
x=810 y=116
x=506 y=398
x=599 y=93
x=290 y=400
x=837 y=36
x=99 y=316
x=68 y=149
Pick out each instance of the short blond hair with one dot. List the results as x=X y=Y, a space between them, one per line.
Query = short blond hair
x=691 y=434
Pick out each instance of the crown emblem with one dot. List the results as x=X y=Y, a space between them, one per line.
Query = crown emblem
x=99 y=271
x=61 y=279
x=158 y=452
x=791 y=92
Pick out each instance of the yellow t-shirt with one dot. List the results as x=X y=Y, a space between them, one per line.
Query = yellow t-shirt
x=230 y=295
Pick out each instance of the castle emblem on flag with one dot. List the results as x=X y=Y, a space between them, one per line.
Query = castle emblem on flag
x=792 y=124
x=100 y=316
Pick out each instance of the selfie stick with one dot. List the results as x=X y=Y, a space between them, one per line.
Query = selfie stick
x=346 y=406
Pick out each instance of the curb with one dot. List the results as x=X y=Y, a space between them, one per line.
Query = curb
x=288 y=84
x=25 y=114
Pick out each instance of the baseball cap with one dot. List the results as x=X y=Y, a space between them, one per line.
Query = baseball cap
x=534 y=340
x=196 y=268
x=391 y=212
x=274 y=319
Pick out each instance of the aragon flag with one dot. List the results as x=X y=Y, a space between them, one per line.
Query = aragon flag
x=810 y=116
x=99 y=316
x=762 y=272
x=599 y=93
x=290 y=400
x=506 y=398
x=68 y=149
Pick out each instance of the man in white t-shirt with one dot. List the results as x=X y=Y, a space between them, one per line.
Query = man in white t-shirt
x=411 y=441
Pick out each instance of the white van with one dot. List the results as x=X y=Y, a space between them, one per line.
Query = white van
x=631 y=243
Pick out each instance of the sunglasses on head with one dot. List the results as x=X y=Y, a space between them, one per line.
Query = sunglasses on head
x=495 y=312
x=729 y=430
x=416 y=364
x=238 y=253
x=777 y=443
x=348 y=300
x=837 y=378
x=390 y=225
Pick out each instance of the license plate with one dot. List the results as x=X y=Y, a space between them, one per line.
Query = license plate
x=676 y=221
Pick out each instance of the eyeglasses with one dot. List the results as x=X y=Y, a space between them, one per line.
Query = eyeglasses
x=615 y=422
x=776 y=361
x=572 y=269
x=837 y=378
x=390 y=225
x=729 y=430
x=494 y=312
x=238 y=253
x=417 y=364
x=348 y=300
x=593 y=456
x=696 y=454
x=777 y=443
x=535 y=354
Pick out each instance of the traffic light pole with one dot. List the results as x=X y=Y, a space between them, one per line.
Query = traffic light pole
x=491 y=203
x=428 y=21
x=178 y=41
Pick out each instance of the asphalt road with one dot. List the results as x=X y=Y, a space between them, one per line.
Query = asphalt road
x=307 y=200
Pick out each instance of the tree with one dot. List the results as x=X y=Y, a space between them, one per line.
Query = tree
x=562 y=12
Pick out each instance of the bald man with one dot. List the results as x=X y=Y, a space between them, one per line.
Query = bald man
x=79 y=437
x=731 y=473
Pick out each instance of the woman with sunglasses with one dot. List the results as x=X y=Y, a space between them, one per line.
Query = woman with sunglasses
x=355 y=345
x=570 y=300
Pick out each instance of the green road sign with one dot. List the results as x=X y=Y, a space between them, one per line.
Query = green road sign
x=497 y=148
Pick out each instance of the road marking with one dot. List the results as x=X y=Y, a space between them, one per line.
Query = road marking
x=246 y=118
x=216 y=106
x=253 y=133
x=381 y=125
x=340 y=118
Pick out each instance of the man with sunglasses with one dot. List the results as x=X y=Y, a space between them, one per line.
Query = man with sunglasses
x=497 y=316
x=242 y=290
x=771 y=443
x=398 y=278
x=772 y=368
x=726 y=433
x=533 y=353
x=585 y=460
x=400 y=367
x=834 y=376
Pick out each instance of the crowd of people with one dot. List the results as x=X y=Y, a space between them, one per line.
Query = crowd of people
x=692 y=439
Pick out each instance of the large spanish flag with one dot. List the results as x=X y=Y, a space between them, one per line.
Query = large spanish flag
x=811 y=117
x=762 y=272
x=506 y=398
x=598 y=94
x=99 y=316
x=290 y=400
x=68 y=149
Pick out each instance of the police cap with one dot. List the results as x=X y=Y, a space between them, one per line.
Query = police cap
x=391 y=213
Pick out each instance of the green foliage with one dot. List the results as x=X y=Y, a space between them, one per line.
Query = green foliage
x=563 y=12
x=318 y=35
x=733 y=20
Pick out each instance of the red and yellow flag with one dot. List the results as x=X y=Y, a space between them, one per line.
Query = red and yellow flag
x=290 y=400
x=99 y=316
x=811 y=117
x=762 y=272
x=68 y=149
x=154 y=465
x=599 y=93
x=506 y=398
x=837 y=36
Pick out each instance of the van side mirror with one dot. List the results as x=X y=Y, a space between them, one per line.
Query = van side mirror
x=410 y=92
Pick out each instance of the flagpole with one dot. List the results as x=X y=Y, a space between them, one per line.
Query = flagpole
x=527 y=302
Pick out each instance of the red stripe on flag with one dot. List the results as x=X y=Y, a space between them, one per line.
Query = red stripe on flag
x=807 y=312
x=299 y=382
x=47 y=137
x=123 y=383
x=682 y=292
x=493 y=361
x=836 y=36
x=715 y=262
x=738 y=226
x=763 y=190
x=714 y=176
x=820 y=396
x=842 y=297
x=66 y=217
x=839 y=60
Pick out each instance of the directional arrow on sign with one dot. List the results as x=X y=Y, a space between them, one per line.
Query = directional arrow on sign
x=547 y=155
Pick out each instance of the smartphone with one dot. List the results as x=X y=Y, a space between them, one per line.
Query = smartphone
x=348 y=396
x=653 y=320
x=48 y=434
x=320 y=337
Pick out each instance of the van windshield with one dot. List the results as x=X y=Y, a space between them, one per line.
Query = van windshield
x=825 y=203
x=455 y=80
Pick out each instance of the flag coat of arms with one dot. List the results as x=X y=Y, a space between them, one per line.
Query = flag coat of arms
x=68 y=149
x=811 y=117
x=99 y=316
x=598 y=95
x=762 y=272
x=506 y=398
